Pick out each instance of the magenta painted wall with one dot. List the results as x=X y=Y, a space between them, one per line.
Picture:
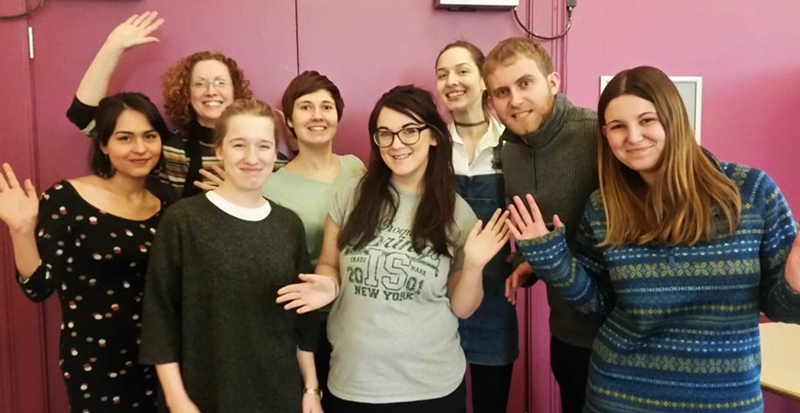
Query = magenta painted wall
x=746 y=52
x=22 y=338
x=260 y=35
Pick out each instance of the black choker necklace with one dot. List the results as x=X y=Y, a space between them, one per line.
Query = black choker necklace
x=470 y=125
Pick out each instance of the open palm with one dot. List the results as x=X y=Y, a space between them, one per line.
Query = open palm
x=135 y=31
x=19 y=205
x=484 y=243
x=316 y=291
x=527 y=225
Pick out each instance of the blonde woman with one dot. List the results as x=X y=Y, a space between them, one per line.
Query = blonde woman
x=218 y=341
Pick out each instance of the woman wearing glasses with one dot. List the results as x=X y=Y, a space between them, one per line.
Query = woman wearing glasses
x=407 y=255
x=489 y=337
x=196 y=90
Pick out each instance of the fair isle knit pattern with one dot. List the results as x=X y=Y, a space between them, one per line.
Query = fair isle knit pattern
x=680 y=324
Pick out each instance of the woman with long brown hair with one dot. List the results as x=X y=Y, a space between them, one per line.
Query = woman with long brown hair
x=488 y=337
x=406 y=254
x=677 y=254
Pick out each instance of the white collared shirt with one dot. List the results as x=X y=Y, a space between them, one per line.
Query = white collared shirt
x=482 y=164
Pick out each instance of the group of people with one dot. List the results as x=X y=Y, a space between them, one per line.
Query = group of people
x=201 y=270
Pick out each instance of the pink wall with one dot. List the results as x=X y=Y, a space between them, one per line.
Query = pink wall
x=22 y=339
x=383 y=47
x=746 y=52
x=259 y=35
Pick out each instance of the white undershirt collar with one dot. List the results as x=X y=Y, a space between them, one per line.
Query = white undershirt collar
x=247 y=214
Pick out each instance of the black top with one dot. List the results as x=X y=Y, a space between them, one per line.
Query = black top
x=97 y=262
x=210 y=306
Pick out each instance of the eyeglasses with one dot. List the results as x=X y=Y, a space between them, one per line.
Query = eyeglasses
x=409 y=135
x=203 y=84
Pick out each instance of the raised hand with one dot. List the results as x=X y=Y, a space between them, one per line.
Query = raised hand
x=526 y=225
x=792 y=270
x=135 y=31
x=483 y=244
x=19 y=205
x=316 y=291
x=216 y=176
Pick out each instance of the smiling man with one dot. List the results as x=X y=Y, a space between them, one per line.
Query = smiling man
x=549 y=151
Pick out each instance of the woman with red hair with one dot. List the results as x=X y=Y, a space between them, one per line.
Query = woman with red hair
x=196 y=90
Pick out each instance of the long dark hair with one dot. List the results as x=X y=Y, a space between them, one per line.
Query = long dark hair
x=376 y=198
x=108 y=110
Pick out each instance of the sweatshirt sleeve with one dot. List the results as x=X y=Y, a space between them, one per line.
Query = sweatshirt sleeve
x=777 y=299
x=161 y=327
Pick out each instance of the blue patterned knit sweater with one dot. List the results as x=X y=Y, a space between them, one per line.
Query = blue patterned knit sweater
x=680 y=324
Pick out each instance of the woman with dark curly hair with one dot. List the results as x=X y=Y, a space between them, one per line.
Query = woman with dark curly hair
x=196 y=90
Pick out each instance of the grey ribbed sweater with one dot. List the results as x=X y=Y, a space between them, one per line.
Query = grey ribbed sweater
x=557 y=164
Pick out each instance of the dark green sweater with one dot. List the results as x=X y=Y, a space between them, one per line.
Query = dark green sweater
x=210 y=305
x=557 y=164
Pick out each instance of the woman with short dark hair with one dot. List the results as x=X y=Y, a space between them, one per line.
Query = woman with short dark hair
x=89 y=238
x=313 y=107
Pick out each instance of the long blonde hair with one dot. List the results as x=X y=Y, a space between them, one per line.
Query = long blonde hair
x=691 y=200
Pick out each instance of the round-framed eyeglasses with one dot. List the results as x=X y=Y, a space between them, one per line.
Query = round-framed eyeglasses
x=409 y=135
x=203 y=84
